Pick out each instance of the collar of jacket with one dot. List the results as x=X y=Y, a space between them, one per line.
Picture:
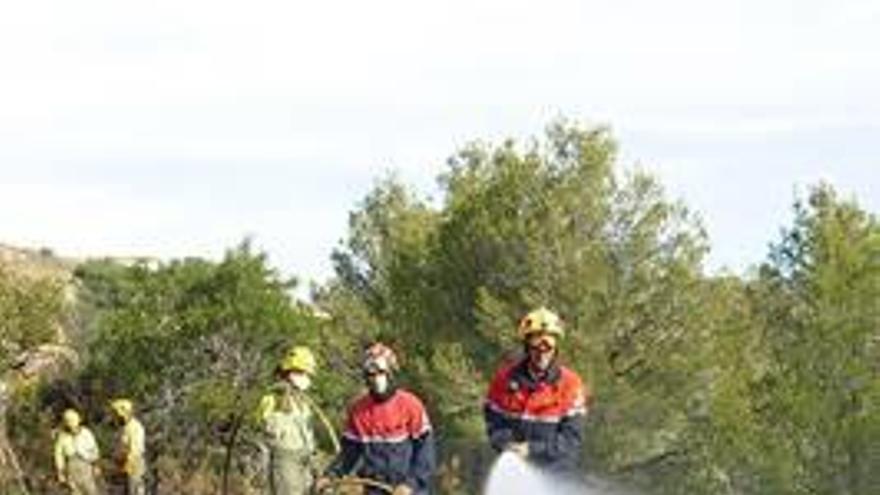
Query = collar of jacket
x=385 y=396
x=523 y=377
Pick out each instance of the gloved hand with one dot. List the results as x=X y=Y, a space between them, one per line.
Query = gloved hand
x=322 y=483
x=519 y=448
x=402 y=489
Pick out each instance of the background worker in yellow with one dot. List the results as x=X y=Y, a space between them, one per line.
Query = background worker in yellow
x=76 y=453
x=130 y=453
x=286 y=419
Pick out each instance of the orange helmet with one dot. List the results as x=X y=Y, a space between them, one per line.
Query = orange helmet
x=379 y=357
x=541 y=320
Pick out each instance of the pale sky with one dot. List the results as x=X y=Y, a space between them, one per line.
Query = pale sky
x=175 y=128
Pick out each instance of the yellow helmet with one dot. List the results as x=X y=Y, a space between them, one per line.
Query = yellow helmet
x=541 y=320
x=122 y=407
x=300 y=358
x=70 y=418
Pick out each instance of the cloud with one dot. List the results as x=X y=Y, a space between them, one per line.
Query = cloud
x=81 y=220
x=199 y=122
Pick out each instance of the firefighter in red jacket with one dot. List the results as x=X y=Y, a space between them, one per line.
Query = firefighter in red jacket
x=535 y=406
x=388 y=437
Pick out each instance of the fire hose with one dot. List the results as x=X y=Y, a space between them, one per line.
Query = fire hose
x=331 y=432
x=354 y=480
x=335 y=483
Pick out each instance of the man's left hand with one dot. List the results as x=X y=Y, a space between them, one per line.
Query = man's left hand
x=322 y=483
x=402 y=489
x=519 y=448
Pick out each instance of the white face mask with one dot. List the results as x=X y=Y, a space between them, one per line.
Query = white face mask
x=301 y=381
x=379 y=383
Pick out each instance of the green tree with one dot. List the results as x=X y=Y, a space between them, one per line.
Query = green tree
x=32 y=310
x=194 y=343
x=548 y=222
x=823 y=281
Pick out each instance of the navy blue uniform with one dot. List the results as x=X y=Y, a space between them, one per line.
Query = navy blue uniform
x=548 y=414
x=389 y=441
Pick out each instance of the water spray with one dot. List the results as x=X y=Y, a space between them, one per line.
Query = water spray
x=514 y=475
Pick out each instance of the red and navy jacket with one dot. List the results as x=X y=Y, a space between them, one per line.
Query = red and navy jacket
x=389 y=441
x=548 y=414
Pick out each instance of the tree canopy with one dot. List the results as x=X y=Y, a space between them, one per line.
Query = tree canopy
x=757 y=383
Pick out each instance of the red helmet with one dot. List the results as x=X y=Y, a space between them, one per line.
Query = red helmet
x=379 y=357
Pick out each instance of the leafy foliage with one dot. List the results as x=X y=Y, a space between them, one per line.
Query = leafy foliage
x=758 y=384
x=703 y=385
x=194 y=343
x=30 y=312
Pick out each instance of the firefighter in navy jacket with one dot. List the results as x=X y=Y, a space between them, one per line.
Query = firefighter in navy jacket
x=535 y=406
x=388 y=436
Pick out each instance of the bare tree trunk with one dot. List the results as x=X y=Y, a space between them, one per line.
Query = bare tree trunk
x=237 y=422
x=10 y=470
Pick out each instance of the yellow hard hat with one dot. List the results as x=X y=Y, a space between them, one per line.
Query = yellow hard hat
x=541 y=320
x=70 y=418
x=122 y=407
x=300 y=358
